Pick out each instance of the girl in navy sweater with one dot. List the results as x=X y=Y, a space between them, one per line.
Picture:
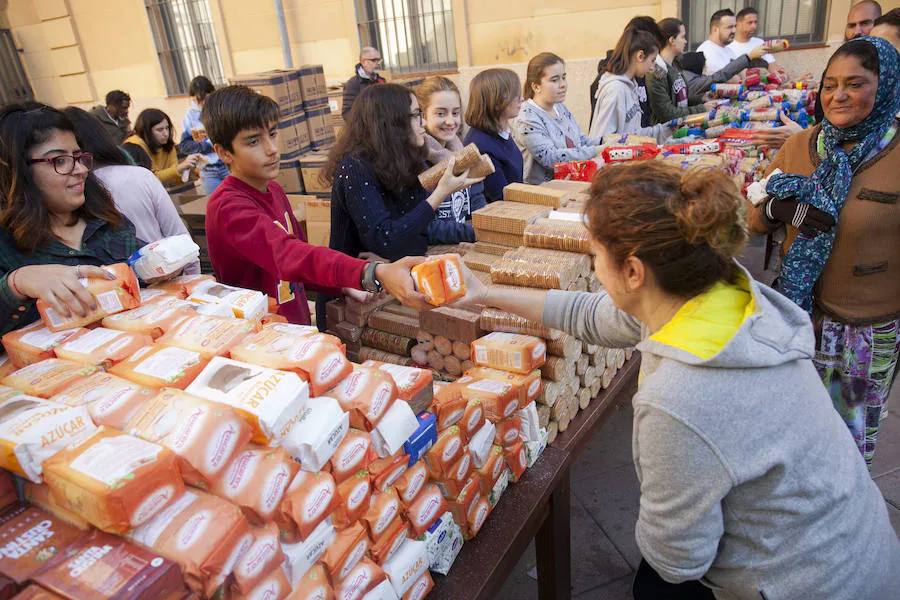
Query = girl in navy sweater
x=494 y=100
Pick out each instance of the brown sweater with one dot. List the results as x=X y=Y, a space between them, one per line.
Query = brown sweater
x=861 y=279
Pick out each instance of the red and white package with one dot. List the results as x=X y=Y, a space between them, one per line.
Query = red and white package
x=209 y=336
x=263 y=556
x=110 y=400
x=353 y=495
x=34 y=343
x=309 y=500
x=353 y=455
x=103 y=347
x=256 y=479
x=366 y=394
x=425 y=509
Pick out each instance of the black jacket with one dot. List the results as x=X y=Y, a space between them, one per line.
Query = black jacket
x=354 y=86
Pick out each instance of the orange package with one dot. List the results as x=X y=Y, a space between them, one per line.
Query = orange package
x=348 y=547
x=500 y=400
x=510 y=352
x=183 y=285
x=507 y=431
x=412 y=482
x=386 y=471
x=161 y=366
x=461 y=506
x=150 y=295
x=153 y=319
x=491 y=470
x=440 y=279
x=110 y=400
x=353 y=499
x=318 y=362
x=365 y=577
x=203 y=434
x=454 y=480
x=425 y=510
x=256 y=480
x=112 y=296
x=263 y=556
x=476 y=519
x=473 y=418
x=313 y=586
x=274 y=586
x=113 y=480
x=6 y=365
x=366 y=394
x=413 y=384
x=34 y=343
x=445 y=452
x=527 y=386
x=210 y=336
x=390 y=541
x=353 y=455
x=448 y=405
x=204 y=534
x=103 y=347
x=384 y=508
x=420 y=588
x=33 y=430
x=309 y=500
x=516 y=459
x=47 y=377
x=39 y=494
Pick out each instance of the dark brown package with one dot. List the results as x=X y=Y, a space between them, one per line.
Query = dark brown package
x=32 y=541
x=453 y=324
x=101 y=566
x=8 y=588
x=8 y=493
x=35 y=592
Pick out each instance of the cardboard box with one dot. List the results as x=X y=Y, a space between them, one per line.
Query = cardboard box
x=313 y=90
x=311 y=167
x=289 y=177
x=293 y=137
x=183 y=198
x=281 y=86
x=321 y=128
x=317 y=210
x=318 y=234
x=182 y=188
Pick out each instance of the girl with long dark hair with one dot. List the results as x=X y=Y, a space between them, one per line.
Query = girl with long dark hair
x=154 y=142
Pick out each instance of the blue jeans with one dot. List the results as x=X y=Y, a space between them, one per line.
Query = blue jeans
x=212 y=176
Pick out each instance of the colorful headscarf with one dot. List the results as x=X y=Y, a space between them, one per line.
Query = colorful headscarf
x=826 y=189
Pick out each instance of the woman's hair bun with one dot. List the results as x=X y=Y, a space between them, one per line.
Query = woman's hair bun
x=709 y=209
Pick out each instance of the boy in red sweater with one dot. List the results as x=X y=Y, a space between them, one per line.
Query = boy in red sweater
x=254 y=240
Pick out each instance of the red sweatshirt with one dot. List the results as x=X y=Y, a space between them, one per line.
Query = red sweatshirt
x=256 y=243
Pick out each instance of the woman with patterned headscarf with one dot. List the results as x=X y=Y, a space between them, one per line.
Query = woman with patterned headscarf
x=839 y=197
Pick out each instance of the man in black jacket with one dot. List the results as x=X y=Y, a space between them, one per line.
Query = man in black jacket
x=366 y=75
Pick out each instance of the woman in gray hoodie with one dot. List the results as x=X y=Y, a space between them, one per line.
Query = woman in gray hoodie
x=751 y=485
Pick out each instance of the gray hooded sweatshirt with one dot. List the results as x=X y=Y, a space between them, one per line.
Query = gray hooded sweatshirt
x=618 y=110
x=750 y=481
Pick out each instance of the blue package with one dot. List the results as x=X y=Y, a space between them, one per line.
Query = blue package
x=423 y=438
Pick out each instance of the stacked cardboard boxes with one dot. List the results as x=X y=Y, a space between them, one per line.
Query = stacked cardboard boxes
x=318 y=220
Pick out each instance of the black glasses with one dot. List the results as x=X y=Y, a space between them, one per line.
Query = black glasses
x=418 y=115
x=377 y=61
x=64 y=164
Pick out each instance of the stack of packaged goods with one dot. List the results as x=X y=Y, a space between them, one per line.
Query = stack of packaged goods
x=380 y=329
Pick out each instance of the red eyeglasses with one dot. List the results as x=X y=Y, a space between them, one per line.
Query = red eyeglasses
x=64 y=164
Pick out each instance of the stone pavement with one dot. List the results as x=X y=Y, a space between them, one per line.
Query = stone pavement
x=606 y=494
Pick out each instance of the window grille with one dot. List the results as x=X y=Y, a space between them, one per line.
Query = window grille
x=799 y=21
x=413 y=36
x=185 y=42
x=14 y=85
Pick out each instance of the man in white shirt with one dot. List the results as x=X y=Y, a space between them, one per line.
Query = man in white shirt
x=715 y=48
x=746 y=23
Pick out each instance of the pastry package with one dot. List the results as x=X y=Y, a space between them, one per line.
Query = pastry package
x=209 y=336
x=109 y=399
x=34 y=343
x=354 y=454
x=413 y=384
x=48 y=377
x=226 y=300
x=112 y=295
x=440 y=279
x=509 y=352
x=256 y=479
x=466 y=158
x=366 y=394
x=182 y=285
x=536 y=194
x=308 y=502
x=154 y=319
x=161 y=366
x=528 y=387
x=103 y=347
x=262 y=557
x=553 y=234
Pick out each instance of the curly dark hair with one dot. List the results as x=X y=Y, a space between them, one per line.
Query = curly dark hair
x=23 y=212
x=378 y=130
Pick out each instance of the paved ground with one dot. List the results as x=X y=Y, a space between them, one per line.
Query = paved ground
x=605 y=502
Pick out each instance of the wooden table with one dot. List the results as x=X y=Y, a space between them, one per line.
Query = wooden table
x=538 y=507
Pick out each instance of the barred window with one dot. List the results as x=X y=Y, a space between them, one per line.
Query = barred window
x=14 y=85
x=413 y=36
x=185 y=42
x=799 y=21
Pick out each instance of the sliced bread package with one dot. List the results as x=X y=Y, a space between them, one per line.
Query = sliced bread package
x=112 y=295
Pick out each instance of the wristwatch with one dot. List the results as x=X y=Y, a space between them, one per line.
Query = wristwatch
x=368 y=281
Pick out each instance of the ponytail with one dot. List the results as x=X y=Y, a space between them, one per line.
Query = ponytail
x=631 y=42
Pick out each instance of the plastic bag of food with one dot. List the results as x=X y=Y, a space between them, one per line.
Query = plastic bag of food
x=183 y=285
x=345 y=552
x=382 y=550
x=109 y=399
x=445 y=452
x=113 y=480
x=263 y=557
x=510 y=352
x=242 y=303
x=103 y=347
x=411 y=482
x=317 y=434
x=205 y=435
x=365 y=577
x=48 y=377
x=397 y=425
x=425 y=509
x=308 y=501
x=300 y=557
x=112 y=296
x=35 y=343
x=8 y=493
x=313 y=586
x=39 y=494
x=406 y=565
x=154 y=319
x=210 y=336
x=353 y=455
x=32 y=541
x=353 y=499
x=256 y=480
x=164 y=257
x=204 y=534
x=414 y=385
x=384 y=508
x=268 y=399
x=440 y=279
x=161 y=366
x=366 y=394
x=314 y=357
x=33 y=430
x=386 y=471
